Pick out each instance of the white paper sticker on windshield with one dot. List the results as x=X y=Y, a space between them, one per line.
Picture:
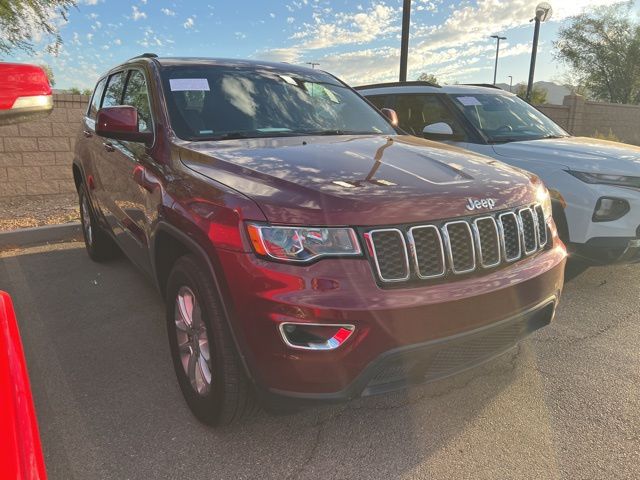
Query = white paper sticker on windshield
x=189 y=84
x=469 y=101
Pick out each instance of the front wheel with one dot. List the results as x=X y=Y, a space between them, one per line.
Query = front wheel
x=204 y=357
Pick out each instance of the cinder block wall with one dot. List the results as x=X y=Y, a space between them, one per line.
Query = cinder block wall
x=35 y=158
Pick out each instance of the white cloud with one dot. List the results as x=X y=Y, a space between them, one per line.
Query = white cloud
x=168 y=12
x=290 y=20
x=117 y=41
x=189 y=23
x=136 y=14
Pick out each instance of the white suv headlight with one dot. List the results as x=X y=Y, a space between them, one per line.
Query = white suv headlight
x=302 y=244
x=606 y=179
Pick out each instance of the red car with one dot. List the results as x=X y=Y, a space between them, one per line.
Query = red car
x=306 y=248
x=25 y=94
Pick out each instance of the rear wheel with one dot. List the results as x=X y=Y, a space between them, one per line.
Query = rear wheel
x=207 y=366
x=100 y=246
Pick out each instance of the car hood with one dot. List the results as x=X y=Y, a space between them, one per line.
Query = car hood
x=577 y=153
x=358 y=180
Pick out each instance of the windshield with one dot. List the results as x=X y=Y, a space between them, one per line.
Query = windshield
x=506 y=118
x=212 y=102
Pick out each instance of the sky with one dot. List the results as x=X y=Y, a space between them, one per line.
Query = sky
x=357 y=40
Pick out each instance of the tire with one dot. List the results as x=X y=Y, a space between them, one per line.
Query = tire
x=228 y=397
x=100 y=246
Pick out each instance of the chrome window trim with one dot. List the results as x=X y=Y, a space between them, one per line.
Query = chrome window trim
x=476 y=232
x=372 y=242
x=535 y=235
x=544 y=226
x=503 y=238
x=414 y=252
x=447 y=239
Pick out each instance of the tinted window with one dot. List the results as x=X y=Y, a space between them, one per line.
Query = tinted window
x=137 y=95
x=95 y=100
x=113 y=95
x=506 y=118
x=215 y=102
x=417 y=111
x=381 y=101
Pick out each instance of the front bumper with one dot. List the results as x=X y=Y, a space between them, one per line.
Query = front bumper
x=420 y=333
x=608 y=250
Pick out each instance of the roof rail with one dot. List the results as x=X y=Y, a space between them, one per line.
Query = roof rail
x=144 y=55
x=416 y=83
x=486 y=85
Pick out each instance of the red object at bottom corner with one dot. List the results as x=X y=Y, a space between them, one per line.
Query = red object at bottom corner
x=20 y=448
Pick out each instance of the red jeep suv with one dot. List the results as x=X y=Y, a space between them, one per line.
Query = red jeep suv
x=305 y=247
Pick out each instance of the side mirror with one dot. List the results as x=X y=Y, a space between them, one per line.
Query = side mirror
x=121 y=123
x=391 y=115
x=438 y=131
x=25 y=93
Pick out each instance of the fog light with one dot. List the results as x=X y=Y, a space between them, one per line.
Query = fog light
x=315 y=336
x=609 y=209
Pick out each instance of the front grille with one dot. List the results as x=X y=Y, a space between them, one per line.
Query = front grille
x=422 y=252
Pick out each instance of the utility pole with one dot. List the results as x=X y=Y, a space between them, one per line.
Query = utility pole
x=510 y=83
x=543 y=13
x=495 y=70
x=404 y=43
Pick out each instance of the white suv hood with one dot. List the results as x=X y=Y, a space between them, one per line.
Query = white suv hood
x=577 y=153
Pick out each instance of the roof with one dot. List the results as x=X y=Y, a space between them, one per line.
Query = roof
x=425 y=87
x=229 y=62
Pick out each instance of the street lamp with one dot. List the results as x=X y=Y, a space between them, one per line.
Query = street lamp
x=495 y=70
x=313 y=64
x=543 y=13
x=510 y=83
x=404 y=42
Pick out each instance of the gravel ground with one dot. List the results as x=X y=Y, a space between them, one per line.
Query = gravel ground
x=25 y=213
x=563 y=405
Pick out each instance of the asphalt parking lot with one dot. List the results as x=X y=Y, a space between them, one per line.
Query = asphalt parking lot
x=565 y=404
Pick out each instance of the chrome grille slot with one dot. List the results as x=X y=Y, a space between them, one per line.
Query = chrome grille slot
x=428 y=251
x=487 y=241
x=390 y=254
x=529 y=234
x=510 y=233
x=542 y=226
x=460 y=247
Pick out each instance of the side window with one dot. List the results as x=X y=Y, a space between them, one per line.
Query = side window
x=381 y=101
x=95 y=100
x=417 y=111
x=137 y=95
x=113 y=95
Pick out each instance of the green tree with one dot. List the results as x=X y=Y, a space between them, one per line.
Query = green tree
x=428 y=77
x=538 y=95
x=602 y=49
x=23 y=21
x=47 y=69
x=74 y=91
x=87 y=91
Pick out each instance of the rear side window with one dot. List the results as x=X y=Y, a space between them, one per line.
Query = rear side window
x=95 y=100
x=113 y=95
x=136 y=95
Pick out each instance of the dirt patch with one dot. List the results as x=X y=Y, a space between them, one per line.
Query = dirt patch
x=36 y=212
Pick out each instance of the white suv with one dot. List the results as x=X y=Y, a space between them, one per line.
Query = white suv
x=595 y=183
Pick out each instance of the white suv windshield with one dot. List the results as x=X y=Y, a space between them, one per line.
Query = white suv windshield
x=214 y=102
x=506 y=118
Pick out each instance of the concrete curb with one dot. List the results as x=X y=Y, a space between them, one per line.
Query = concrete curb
x=40 y=235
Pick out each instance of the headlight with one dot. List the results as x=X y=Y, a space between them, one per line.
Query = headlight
x=302 y=244
x=605 y=179
x=544 y=199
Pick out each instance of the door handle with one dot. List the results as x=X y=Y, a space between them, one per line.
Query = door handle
x=108 y=147
x=144 y=179
x=87 y=133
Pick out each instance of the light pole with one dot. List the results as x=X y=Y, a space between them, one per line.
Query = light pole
x=543 y=13
x=495 y=70
x=510 y=83
x=404 y=42
x=313 y=64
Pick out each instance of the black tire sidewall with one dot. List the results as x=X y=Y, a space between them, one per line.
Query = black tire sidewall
x=207 y=408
